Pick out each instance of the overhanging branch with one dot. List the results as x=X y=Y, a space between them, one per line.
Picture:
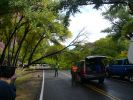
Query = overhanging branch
x=56 y=52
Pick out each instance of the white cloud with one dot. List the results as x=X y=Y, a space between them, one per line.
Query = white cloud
x=91 y=20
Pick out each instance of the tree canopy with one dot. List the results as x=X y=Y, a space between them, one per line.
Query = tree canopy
x=28 y=29
x=33 y=31
x=72 y=6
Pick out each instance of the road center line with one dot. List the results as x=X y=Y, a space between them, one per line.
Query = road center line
x=42 y=89
x=102 y=92
x=97 y=89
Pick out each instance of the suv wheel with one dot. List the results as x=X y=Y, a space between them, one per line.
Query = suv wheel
x=122 y=77
x=101 y=80
x=108 y=75
x=80 y=79
x=130 y=78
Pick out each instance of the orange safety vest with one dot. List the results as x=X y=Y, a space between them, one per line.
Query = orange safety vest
x=74 y=68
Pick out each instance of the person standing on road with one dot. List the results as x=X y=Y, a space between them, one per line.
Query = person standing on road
x=56 y=70
x=74 y=70
x=7 y=87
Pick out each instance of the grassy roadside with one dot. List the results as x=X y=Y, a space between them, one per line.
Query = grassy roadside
x=28 y=84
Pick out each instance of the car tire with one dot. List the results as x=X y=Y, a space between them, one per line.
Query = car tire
x=122 y=77
x=130 y=77
x=101 y=80
x=108 y=75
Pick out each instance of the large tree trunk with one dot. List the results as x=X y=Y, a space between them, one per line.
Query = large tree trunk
x=20 y=45
x=24 y=56
x=47 y=55
x=34 y=49
x=56 y=52
x=13 y=50
x=9 y=41
x=9 y=56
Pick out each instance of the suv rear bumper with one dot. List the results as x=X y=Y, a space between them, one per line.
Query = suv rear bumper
x=93 y=77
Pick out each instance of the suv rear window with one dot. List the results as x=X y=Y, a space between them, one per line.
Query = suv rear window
x=90 y=66
x=93 y=64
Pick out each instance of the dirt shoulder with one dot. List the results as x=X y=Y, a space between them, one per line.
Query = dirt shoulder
x=28 y=85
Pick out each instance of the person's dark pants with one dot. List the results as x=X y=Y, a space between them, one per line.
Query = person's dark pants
x=74 y=76
x=56 y=73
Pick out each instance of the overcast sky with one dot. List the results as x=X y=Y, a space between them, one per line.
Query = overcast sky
x=91 y=20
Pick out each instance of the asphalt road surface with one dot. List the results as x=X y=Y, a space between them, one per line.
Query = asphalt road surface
x=60 y=88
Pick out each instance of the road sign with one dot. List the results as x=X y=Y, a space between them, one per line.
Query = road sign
x=130 y=51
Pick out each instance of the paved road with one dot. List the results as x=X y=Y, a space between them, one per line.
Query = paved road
x=59 y=88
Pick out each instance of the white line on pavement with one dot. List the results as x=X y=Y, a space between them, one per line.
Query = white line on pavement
x=42 y=89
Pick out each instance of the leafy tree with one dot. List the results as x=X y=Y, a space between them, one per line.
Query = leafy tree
x=72 y=6
x=118 y=19
x=31 y=27
x=128 y=29
x=108 y=47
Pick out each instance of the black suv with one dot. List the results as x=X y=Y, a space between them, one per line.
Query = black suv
x=92 y=68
